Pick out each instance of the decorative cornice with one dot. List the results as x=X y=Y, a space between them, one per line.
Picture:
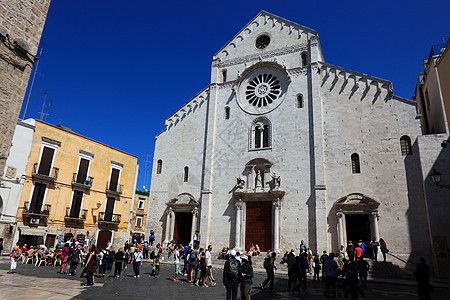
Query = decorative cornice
x=87 y=153
x=254 y=57
x=298 y=71
x=358 y=79
x=51 y=141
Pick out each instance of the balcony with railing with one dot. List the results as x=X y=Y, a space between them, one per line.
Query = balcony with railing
x=35 y=211
x=81 y=181
x=75 y=216
x=108 y=218
x=115 y=189
x=45 y=172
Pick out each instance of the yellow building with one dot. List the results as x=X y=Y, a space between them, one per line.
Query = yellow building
x=138 y=215
x=75 y=187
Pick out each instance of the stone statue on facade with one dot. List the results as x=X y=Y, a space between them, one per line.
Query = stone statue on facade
x=258 y=179
x=240 y=183
x=276 y=180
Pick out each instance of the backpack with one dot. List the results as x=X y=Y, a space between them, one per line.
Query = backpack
x=233 y=268
x=17 y=254
x=266 y=264
x=193 y=256
x=152 y=255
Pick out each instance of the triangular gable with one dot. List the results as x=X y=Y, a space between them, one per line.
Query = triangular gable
x=268 y=17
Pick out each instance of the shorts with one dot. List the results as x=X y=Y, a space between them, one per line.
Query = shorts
x=177 y=268
x=208 y=271
x=202 y=272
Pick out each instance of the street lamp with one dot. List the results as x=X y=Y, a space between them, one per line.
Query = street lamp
x=436 y=179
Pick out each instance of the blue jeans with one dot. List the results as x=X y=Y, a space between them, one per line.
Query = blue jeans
x=374 y=253
x=90 y=275
x=156 y=270
x=136 y=266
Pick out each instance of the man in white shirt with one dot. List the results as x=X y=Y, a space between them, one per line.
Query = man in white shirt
x=209 y=273
x=137 y=261
x=176 y=259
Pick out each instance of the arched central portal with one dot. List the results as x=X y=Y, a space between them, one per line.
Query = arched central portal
x=181 y=219
x=357 y=217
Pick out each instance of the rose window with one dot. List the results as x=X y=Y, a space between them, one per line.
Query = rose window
x=263 y=90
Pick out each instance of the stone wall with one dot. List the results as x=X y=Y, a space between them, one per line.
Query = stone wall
x=22 y=19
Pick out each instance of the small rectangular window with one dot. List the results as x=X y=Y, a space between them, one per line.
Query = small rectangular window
x=138 y=221
x=141 y=203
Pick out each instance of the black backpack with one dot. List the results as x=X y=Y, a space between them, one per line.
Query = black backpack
x=233 y=268
x=266 y=264
x=152 y=255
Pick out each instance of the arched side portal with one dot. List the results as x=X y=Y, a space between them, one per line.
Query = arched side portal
x=181 y=219
x=357 y=218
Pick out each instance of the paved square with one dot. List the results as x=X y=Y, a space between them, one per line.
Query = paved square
x=31 y=282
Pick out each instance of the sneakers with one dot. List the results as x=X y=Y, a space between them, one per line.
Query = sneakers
x=261 y=286
x=173 y=279
x=138 y=276
x=213 y=284
x=86 y=285
x=135 y=276
x=196 y=283
x=205 y=285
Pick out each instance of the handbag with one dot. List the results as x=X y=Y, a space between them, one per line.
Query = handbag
x=384 y=250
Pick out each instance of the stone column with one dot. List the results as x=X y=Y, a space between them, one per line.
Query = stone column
x=194 y=224
x=237 y=241
x=340 y=217
x=172 y=224
x=375 y=218
x=167 y=233
x=276 y=230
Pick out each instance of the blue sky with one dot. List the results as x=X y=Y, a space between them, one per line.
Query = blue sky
x=116 y=69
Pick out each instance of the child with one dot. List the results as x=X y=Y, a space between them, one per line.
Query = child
x=176 y=258
x=203 y=269
x=316 y=267
x=157 y=262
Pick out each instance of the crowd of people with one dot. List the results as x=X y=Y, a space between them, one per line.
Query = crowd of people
x=342 y=272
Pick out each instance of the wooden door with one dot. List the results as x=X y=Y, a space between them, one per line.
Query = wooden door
x=114 y=180
x=82 y=170
x=38 y=197
x=258 y=225
x=109 y=208
x=46 y=161
x=104 y=236
x=50 y=241
x=182 y=230
x=76 y=204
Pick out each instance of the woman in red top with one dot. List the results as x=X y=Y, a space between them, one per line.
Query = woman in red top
x=14 y=258
x=64 y=257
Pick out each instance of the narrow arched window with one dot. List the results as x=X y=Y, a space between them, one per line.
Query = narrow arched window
x=227 y=113
x=405 y=145
x=355 y=164
x=186 y=174
x=299 y=101
x=261 y=134
x=257 y=137
x=224 y=75
x=159 y=167
x=304 y=60
x=266 y=136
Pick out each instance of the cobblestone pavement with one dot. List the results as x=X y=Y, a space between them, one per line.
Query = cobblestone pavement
x=31 y=282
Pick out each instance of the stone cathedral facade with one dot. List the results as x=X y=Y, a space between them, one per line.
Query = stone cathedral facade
x=282 y=146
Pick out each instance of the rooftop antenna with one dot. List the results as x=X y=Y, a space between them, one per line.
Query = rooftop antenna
x=147 y=171
x=44 y=112
x=32 y=83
